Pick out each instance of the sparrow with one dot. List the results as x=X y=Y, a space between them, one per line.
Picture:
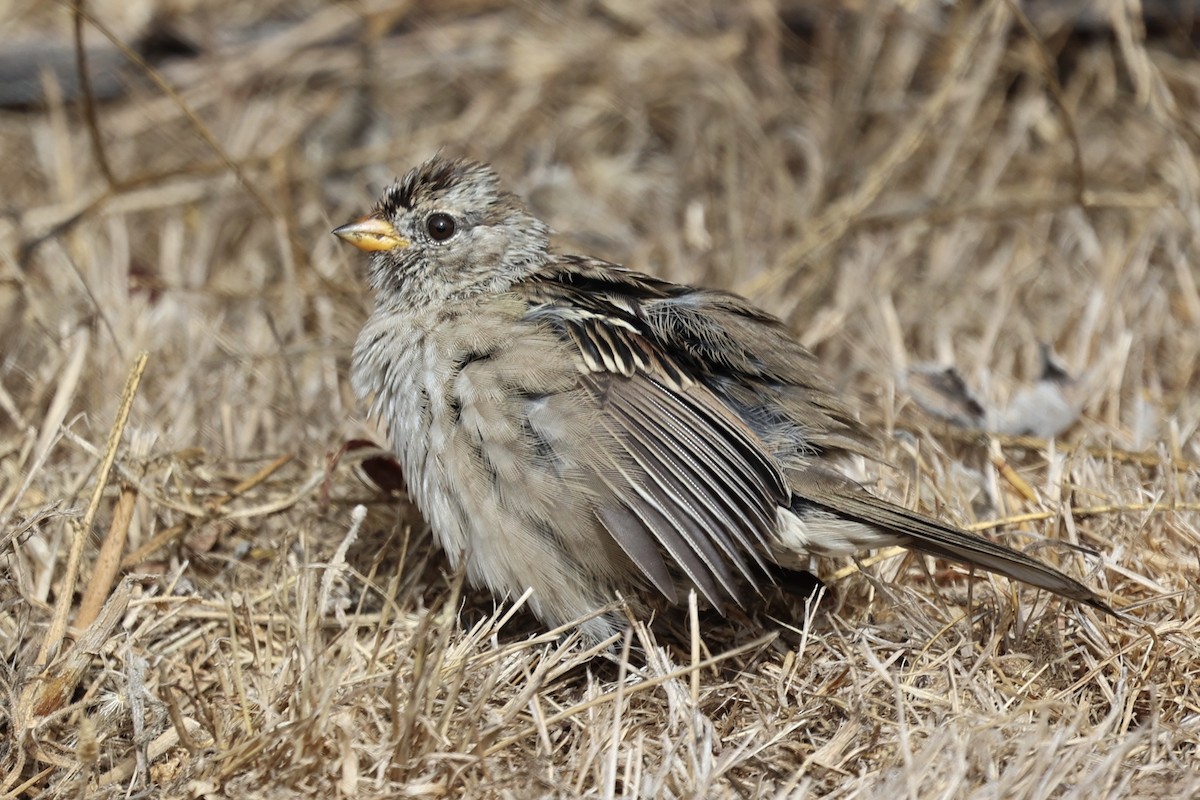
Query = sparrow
x=575 y=428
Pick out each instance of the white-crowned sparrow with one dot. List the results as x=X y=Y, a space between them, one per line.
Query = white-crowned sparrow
x=573 y=427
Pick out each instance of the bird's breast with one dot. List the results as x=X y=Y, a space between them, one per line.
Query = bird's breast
x=480 y=410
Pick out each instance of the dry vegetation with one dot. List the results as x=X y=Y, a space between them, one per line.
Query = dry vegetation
x=915 y=183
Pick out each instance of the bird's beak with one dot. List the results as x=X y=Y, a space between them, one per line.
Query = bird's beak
x=371 y=233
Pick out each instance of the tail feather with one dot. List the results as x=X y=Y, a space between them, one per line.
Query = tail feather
x=833 y=493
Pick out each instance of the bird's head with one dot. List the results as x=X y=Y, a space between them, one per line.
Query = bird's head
x=447 y=230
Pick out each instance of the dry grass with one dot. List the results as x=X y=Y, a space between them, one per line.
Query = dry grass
x=905 y=185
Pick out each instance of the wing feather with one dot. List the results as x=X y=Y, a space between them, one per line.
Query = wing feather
x=705 y=495
x=629 y=531
x=709 y=471
x=661 y=522
x=683 y=470
x=679 y=471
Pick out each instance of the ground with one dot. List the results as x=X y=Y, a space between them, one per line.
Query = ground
x=200 y=598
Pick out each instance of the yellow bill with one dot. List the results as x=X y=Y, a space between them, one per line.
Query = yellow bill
x=371 y=233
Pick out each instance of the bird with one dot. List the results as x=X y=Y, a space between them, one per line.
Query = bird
x=578 y=430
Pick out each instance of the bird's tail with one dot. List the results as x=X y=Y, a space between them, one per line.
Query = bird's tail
x=823 y=497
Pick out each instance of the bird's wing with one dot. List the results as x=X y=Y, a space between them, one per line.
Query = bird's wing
x=745 y=356
x=675 y=471
x=711 y=398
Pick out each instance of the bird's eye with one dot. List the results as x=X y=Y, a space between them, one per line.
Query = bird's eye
x=440 y=226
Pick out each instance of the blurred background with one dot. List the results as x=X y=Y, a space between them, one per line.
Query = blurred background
x=982 y=216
